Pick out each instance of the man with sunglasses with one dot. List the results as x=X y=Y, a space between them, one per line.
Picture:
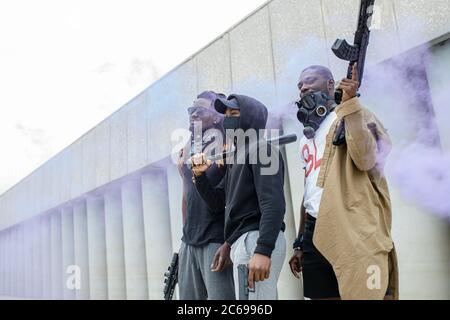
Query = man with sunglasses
x=200 y=276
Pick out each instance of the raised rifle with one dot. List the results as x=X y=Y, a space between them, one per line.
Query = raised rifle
x=353 y=53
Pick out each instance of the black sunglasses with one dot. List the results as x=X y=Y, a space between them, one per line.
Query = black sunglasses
x=198 y=109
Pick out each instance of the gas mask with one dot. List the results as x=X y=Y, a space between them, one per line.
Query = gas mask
x=312 y=110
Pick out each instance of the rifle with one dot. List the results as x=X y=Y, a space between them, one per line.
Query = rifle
x=281 y=140
x=171 y=278
x=353 y=53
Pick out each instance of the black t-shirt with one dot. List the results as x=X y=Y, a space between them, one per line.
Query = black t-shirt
x=202 y=225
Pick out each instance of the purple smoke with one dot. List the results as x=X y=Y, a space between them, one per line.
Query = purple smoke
x=398 y=92
x=423 y=175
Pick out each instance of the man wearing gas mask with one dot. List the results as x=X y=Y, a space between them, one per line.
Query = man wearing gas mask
x=203 y=229
x=344 y=247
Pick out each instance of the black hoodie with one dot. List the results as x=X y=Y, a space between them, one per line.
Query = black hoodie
x=252 y=201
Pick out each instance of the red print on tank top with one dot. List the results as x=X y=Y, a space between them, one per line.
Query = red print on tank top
x=312 y=163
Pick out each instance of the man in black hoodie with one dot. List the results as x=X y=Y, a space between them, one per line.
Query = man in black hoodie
x=252 y=194
x=203 y=229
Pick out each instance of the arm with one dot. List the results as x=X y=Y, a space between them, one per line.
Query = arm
x=296 y=261
x=301 y=227
x=361 y=140
x=270 y=193
x=180 y=164
x=361 y=143
x=214 y=197
x=183 y=205
x=367 y=143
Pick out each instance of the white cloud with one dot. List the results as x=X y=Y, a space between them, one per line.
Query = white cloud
x=66 y=65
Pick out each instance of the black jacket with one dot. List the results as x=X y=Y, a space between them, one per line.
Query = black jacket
x=252 y=201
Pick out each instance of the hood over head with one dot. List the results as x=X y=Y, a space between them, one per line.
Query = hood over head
x=253 y=112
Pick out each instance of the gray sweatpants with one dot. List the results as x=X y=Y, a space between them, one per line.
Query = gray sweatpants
x=196 y=281
x=241 y=253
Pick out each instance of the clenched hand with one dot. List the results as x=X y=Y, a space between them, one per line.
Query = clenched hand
x=349 y=87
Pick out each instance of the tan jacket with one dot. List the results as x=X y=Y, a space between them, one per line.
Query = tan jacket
x=353 y=228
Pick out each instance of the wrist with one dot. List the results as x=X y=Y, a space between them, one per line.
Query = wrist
x=197 y=173
x=263 y=250
x=298 y=243
x=256 y=254
x=197 y=177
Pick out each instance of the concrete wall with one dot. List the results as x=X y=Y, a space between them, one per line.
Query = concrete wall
x=120 y=163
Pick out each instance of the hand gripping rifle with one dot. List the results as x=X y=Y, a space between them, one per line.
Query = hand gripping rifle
x=281 y=140
x=171 y=278
x=353 y=53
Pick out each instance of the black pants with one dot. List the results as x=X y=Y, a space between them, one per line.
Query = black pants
x=319 y=280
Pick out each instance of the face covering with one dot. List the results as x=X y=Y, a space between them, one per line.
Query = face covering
x=231 y=123
x=312 y=110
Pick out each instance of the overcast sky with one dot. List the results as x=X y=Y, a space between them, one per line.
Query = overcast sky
x=66 y=65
